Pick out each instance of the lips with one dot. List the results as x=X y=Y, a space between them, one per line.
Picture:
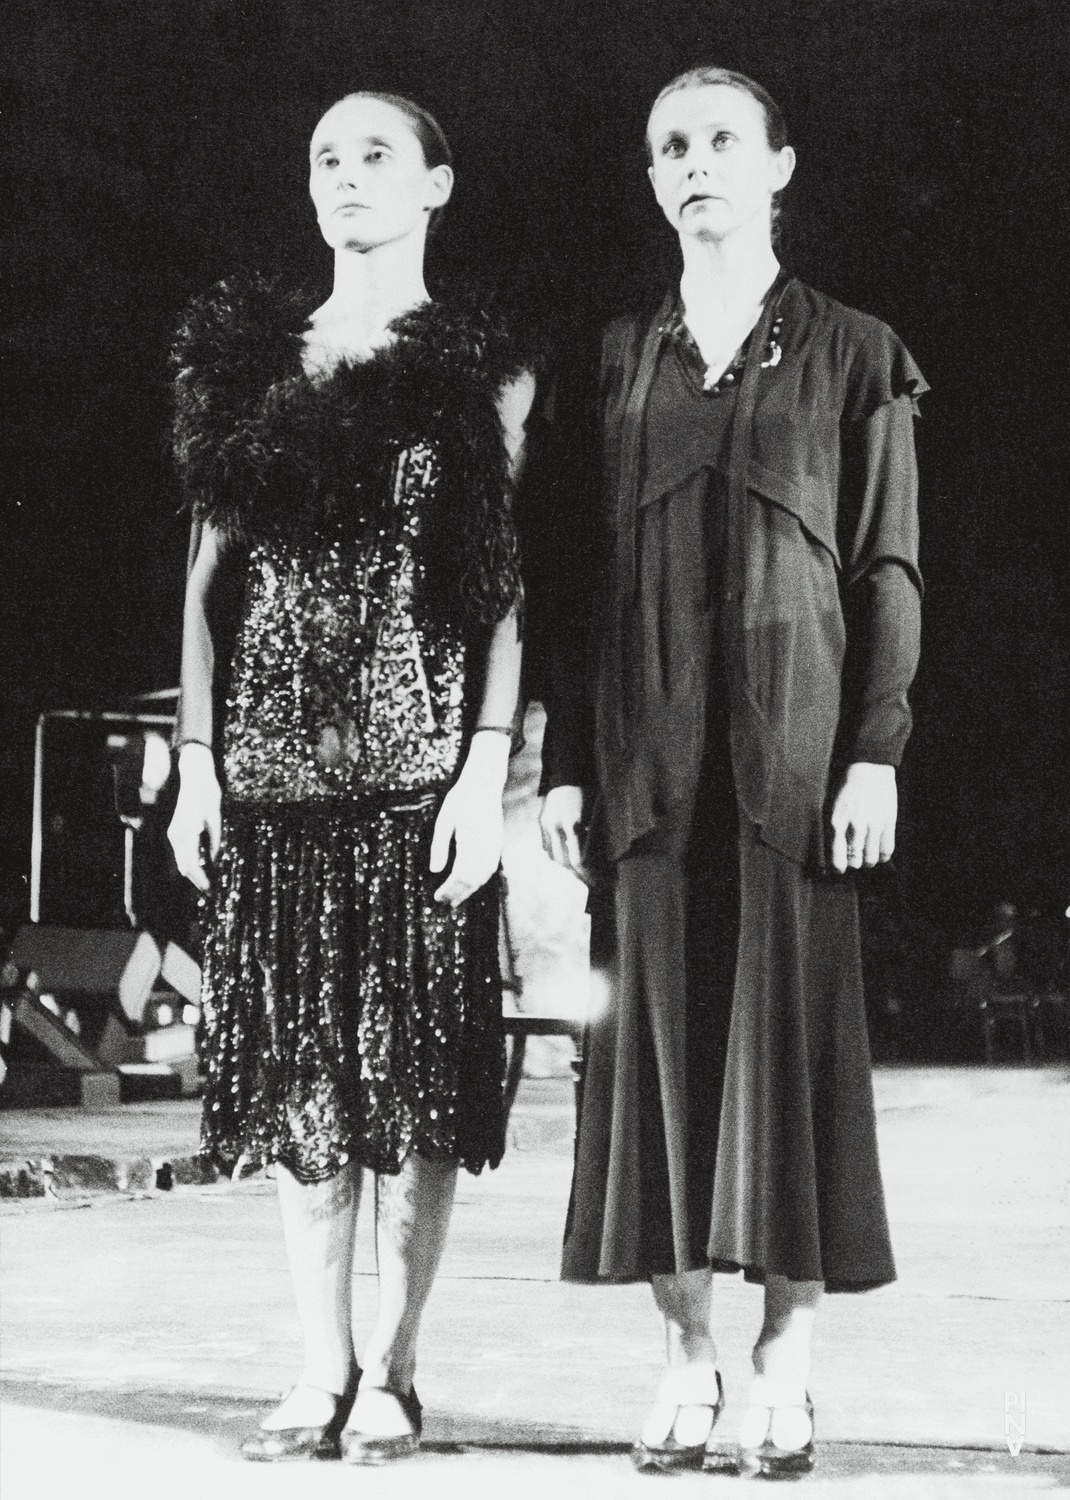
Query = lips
x=696 y=198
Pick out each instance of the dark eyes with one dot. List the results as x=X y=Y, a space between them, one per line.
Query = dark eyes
x=375 y=154
x=676 y=145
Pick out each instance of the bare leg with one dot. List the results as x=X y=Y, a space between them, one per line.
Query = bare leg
x=683 y=1409
x=318 y=1224
x=413 y=1218
x=782 y=1365
x=684 y=1301
x=782 y=1353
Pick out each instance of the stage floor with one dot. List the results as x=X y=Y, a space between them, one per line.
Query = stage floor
x=144 y=1332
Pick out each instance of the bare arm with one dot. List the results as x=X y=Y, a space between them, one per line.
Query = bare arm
x=197 y=810
x=471 y=815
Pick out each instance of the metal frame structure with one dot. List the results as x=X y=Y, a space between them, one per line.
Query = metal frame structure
x=136 y=718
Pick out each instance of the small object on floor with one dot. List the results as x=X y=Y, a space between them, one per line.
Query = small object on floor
x=295 y=1444
x=361 y=1447
x=777 y=1442
x=681 y=1422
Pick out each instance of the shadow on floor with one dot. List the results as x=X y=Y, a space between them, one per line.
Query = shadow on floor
x=226 y=1417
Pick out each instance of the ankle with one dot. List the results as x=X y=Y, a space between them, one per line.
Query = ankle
x=694 y=1384
x=377 y=1410
x=333 y=1376
x=390 y=1370
x=780 y=1378
x=303 y=1406
x=689 y=1347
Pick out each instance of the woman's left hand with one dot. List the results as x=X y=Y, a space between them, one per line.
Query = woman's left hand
x=472 y=817
x=863 y=817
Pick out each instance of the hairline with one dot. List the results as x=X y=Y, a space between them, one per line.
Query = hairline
x=421 y=122
x=410 y=124
x=721 y=78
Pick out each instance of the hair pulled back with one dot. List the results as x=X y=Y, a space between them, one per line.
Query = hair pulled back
x=427 y=130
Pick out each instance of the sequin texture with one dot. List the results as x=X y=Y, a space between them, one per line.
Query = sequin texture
x=348 y=1017
x=335 y=691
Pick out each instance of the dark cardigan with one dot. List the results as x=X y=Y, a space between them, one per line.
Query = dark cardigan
x=826 y=645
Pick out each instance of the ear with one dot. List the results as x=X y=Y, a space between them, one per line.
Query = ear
x=783 y=167
x=439 y=186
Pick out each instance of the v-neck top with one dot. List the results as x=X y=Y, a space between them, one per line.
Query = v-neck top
x=681 y=525
x=687 y=428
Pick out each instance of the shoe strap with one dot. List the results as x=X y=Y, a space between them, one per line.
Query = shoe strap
x=410 y=1404
x=696 y=1384
x=771 y=1393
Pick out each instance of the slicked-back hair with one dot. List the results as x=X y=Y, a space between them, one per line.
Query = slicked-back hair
x=776 y=131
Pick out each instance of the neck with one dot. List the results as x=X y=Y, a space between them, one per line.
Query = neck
x=728 y=273
x=373 y=287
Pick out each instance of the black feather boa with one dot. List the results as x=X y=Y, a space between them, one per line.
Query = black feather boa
x=265 y=450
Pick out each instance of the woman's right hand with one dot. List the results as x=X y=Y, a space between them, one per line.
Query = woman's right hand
x=197 y=811
x=559 y=823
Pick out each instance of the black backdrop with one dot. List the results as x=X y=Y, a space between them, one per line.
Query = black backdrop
x=154 y=145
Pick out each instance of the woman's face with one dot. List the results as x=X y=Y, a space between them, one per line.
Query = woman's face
x=368 y=179
x=713 y=171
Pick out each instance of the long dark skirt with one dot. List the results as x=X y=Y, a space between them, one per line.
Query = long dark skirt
x=727 y=1113
x=348 y=1016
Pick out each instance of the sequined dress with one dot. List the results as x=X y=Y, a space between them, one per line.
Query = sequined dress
x=348 y=1017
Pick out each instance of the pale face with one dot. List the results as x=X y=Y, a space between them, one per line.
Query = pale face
x=368 y=179
x=713 y=173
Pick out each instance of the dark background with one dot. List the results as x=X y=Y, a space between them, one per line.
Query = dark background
x=152 y=146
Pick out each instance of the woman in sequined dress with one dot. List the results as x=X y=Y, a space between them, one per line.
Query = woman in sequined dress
x=744 y=709
x=354 y=460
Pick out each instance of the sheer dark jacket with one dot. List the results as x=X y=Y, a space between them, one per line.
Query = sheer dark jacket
x=821 y=636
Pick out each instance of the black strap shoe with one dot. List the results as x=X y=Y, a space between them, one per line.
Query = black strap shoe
x=371 y=1448
x=668 y=1455
x=282 y=1445
x=767 y=1460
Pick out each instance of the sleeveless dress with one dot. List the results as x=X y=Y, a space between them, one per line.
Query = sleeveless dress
x=348 y=1017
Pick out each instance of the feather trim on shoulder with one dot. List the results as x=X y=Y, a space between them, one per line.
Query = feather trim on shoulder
x=264 y=448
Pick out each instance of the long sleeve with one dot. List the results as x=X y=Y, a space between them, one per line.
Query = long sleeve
x=882 y=594
x=568 y=743
x=567 y=558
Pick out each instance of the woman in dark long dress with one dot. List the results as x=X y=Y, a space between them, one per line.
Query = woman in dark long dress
x=353 y=460
x=744 y=710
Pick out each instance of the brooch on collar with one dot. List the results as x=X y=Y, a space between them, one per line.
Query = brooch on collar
x=676 y=329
